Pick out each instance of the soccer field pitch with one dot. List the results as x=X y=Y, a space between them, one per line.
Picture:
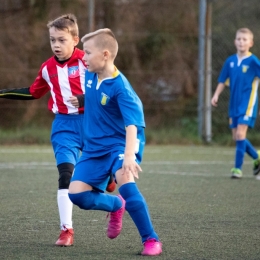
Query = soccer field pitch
x=198 y=211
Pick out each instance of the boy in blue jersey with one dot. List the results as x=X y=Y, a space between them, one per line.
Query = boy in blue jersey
x=114 y=142
x=241 y=73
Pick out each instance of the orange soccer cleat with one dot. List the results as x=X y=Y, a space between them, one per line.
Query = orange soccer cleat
x=66 y=237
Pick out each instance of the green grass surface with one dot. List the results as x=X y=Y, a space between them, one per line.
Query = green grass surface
x=197 y=210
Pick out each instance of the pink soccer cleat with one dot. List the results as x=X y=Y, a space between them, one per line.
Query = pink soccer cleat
x=116 y=221
x=152 y=247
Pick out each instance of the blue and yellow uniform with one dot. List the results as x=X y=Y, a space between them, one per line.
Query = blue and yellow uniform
x=242 y=76
x=113 y=105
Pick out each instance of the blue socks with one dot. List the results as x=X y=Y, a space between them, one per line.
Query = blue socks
x=243 y=146
x=138 y=210
x=251 y=151
x=240 y=151
x=96 y=201
x=135 y=205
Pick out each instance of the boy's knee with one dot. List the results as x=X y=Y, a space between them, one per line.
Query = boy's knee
x=240 y=136
x=65 y=173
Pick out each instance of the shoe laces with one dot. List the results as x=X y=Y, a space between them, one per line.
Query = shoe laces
x=115 y=216
x=151 y=243
x=64 y=232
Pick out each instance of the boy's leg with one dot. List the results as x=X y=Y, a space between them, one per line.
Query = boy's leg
x=252 y=152
x=240 y=135
x=87 y=187
x=138 y=210
x=66 y=143
x=65 y=205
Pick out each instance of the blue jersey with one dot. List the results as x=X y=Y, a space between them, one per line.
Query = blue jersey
x=112 y=105
x=242 y=77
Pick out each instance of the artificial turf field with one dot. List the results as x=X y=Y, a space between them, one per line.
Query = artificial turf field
x=197 y=210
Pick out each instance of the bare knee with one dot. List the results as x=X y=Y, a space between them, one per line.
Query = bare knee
x=79 y=186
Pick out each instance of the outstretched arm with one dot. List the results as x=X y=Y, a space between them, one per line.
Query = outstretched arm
x=18 y=94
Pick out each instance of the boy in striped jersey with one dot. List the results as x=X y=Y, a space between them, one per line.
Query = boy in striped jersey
x=63 y=75
x=241 y=72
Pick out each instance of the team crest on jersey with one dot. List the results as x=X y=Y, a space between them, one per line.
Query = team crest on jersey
x=104 y=99
x=245 y=68
x=73 y=72
x=232 y=64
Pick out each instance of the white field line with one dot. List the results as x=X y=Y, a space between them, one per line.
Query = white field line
x=192 y=151
x=148 y=151
x=35 y=165
x=195 y=174
x=191 y=162
x=28 y=151
x=51 y=166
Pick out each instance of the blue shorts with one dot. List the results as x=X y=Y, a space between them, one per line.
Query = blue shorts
x=242 y=120
x=95 y=171
x=67 y=138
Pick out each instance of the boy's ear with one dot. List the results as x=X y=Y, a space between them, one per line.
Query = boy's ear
x=106 y=54
x=76 y=40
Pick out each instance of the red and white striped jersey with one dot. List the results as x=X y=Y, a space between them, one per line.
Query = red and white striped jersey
x=63 y=81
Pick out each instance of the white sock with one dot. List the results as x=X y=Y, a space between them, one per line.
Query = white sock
x=65 y=208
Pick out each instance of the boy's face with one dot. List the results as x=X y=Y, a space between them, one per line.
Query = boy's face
x=94 y=57
x=243 y=42
x=62 y=43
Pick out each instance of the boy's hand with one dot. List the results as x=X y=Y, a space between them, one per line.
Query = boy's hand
x=214 y=101
x=74 y=101
x=130 y=166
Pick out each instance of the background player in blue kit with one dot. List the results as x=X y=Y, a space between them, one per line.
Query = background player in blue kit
x=241 y=73
x=114 y=142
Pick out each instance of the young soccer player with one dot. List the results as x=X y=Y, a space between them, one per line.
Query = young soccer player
x=64 y=76
x=241 y=72
x=114 y=142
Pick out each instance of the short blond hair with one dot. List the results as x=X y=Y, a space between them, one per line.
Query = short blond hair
x=104 y=39
x=247 y=31
x=65 y=22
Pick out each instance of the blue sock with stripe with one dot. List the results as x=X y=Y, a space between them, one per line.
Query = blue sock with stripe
x=251 y=151
x=138 y=210
x=240 y=151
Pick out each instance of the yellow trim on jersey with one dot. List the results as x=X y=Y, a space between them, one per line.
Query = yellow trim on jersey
x=227 y=82
x=115 y=73
x=252 y=98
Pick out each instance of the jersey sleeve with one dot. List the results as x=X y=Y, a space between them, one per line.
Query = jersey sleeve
x=17 y=94
x=130 y=106
x=81 y=99
x=257 y=66
x=39 y=87
x=224 y=74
